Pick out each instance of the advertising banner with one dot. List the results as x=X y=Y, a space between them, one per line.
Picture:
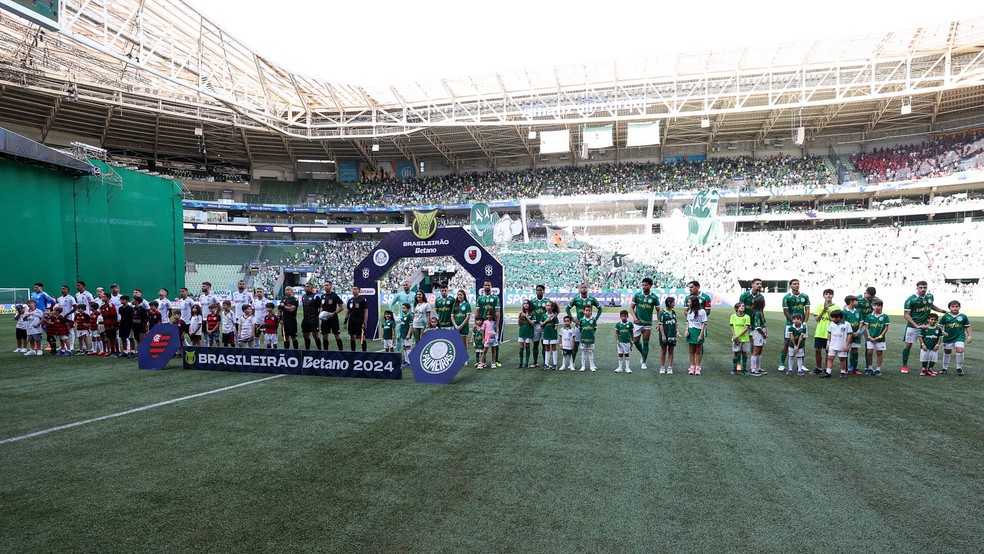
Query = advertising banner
x=324 y=363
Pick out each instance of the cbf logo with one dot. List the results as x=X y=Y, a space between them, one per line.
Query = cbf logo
x=489 y=270
x=424 y=224
x=438 y=357
x=365 y=273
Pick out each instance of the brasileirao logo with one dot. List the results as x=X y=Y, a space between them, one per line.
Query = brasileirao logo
x=437 y=356
x=424 y=224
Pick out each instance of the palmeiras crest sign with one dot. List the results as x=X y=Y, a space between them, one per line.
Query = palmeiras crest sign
x=456 y=242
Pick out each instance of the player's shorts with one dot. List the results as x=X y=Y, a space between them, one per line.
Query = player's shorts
x=911 y=335
x=819 y=343
x=758 y=339
x=837 y=353
x=796 y=352
x=523 y=340
x=124 y=332
x=330 y=326
x=928 y=356
x=110 y=334
x=290 y=327
x=741 y=346
x=491 y=342
x=879 y=346
x=387 y=344
x=355 y=328
x=537 y=332
x=62 y=337
x=308 y=326
x=550 y=341
x=445 y=326
x=624 y=348
x=20 y=334
x=587 y=348
x=408 y=342
x=245 y=342
x=693 y=336
x=79 y=333
x=856 y=341
x=182 y=327
x=952 y=345
x=638 y=329
x=669 y=341
x=34 y=337
x=270 y=338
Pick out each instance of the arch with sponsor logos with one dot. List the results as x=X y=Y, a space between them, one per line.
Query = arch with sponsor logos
x=456 y=242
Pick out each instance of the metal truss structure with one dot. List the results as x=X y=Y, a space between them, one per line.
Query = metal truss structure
x=140 y=76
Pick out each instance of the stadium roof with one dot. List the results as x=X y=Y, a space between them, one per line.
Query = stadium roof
x=148 y=73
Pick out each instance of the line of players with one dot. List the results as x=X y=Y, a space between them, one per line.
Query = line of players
x=839 y=336
x=106 y=324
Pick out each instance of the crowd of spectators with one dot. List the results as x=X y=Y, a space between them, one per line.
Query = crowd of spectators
x=940 y=157
x=621 y=178
x=845 y=259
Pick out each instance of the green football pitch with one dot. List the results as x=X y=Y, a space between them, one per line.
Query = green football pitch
x=504 y=460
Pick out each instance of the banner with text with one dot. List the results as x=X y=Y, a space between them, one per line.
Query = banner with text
x=324 y=363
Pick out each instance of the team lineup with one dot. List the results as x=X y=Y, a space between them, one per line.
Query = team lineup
x=111 y=324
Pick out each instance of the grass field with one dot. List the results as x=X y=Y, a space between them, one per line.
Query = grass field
x=502 y=460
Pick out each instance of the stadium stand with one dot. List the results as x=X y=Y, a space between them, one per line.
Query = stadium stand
x=274 y=192
x=203 y=195
x=220 y=254
x=934 y=158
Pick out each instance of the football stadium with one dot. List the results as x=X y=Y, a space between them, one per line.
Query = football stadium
x=720 y=300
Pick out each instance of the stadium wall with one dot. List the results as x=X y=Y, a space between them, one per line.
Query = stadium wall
x=61 y=229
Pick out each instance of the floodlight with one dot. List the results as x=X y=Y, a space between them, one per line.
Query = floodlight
x=907 y=107
x=375 y=147
x=705 y=122
x=531 y=135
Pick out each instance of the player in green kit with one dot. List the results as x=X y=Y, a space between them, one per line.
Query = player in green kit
x=483 y=304
x=643 y=304
x=865 y=306
x=794 y=302
x=748 y=297
x=956 y=333
x=667 y=330
x=930 y=340
x=444 y=306
x=916 y=312
x=578 y=303
x=525 y=333
x=539 y=304
x=588 y=324
x=875 y=328
x=705 y=300
x=389 y=331
x=852 y=316
x=461 y=315
x=623 y=341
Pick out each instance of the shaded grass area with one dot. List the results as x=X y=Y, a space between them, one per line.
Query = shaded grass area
x=501 y=460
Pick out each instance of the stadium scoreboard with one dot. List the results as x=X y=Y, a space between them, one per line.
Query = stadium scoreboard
x=43 y=12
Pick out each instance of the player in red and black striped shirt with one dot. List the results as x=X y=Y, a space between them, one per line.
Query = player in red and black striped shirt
x=111 y=324
x=271 y=326
x=82 y=317
x=58 y=332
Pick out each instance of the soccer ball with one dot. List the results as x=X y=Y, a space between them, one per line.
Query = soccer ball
x=323 y=315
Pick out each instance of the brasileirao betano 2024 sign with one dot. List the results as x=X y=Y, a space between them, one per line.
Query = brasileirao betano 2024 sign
x=436 y=359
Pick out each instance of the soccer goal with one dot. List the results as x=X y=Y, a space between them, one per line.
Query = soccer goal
x=14 y=295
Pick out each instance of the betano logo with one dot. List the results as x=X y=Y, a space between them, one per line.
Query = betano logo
x=424 y=224
x=437 y=356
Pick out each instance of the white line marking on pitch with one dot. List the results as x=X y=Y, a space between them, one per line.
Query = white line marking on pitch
x=133 y=411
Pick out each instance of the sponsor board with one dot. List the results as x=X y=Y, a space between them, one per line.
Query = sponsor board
x=324 y=363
